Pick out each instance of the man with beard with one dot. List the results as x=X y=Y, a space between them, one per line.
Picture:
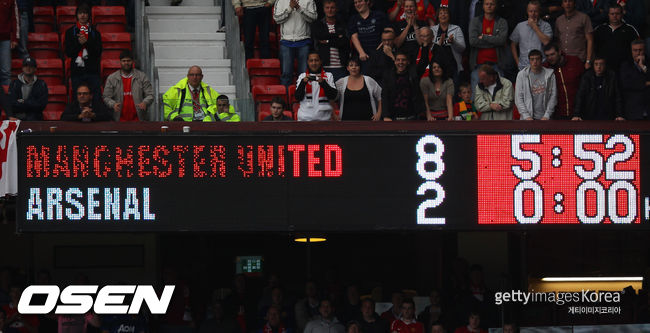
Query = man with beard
x=128 y=91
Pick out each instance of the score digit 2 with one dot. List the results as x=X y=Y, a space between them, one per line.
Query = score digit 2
x=558 y=179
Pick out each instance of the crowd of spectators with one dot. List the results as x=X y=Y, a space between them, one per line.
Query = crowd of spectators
x=385 y=60
x=533 y=60
x=252 y=305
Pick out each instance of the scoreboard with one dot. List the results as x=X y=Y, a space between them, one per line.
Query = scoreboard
x=317 y=182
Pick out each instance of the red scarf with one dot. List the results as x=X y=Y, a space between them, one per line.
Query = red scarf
x=267 y=329
x=321 y=92
x=84 y=30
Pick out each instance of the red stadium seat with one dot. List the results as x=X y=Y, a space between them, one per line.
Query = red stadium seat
x=264 y=110
x=50 y=80
x=43 y=45
x=53 y=111
x=263 y=67
x=264 y=80
x=44 y=20
x=109 y=66
x=50 y=68
x=64 y=26
x=109 y=18
x=66 y=15
x=16 y=67
x=294 y=108
x=57 y=94
x=266 y=93
x=292 y=93
x=114 y=43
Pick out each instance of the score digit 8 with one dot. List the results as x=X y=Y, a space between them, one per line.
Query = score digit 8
x=430 y=177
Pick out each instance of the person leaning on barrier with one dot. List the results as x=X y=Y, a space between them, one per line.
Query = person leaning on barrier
x=128 y=91
x=225 y=111
x=191 y=99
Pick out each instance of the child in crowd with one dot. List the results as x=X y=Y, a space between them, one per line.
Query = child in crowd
x=277 y=109
x=463 y=110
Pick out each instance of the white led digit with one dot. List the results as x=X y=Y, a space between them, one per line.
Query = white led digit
x=610 y=166
x=53 y=202
x=630 y=193
x=432 y=158
x=587 y=155
x=430 y=203
x=74 y=202
x=528 y=185
x=526 y=155
x=581 y=204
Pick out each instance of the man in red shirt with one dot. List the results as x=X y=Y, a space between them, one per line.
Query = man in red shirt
x=488 y=35
x=407 y=323
x=473 y=324
x=128 y=92
x=568 y=70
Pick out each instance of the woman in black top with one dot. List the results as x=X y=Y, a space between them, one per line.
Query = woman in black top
x=359 y=95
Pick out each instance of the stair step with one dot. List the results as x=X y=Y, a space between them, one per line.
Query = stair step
x=183 y=25
x=177 y=37
x=189 y=53
x=183 y=63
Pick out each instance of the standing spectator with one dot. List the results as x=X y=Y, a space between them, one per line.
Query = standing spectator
x=85 y=108
x=535 y=90
x=634 y=13
x=315 y=90
x=574 y=33
x=256 y=14
x=438 y=93
x=365 y=30
x=382 y=58
x=407 y=323
x=463 y=110
x=487 y=37
x=612 y=37
x=634 y=81
x=369 y=320
x=360 y=95
x=25 y=10
x=423 y=10
x=568 y=70
x=599 y=97
x=307 y=308
x=28 y=94
x=596 y=10
x=128 y=91
x=401 y=100
x=428 y=50
x=83 y=45
x=326 y=322
x=407 y=30
x=396 y=298
x=9 y=36
x=494 y=95
x=529 y=35
x=450 y=37
x=331 y=40
x=220 y=322
x=458 y=11
x=274 y=322
x=473 y=324
x=294 y=18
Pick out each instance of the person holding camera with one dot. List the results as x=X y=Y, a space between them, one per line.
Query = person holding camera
x=315 y=91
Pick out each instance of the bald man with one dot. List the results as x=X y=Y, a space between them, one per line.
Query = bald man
x=191 y=99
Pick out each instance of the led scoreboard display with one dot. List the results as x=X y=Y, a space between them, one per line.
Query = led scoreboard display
x=292 y=182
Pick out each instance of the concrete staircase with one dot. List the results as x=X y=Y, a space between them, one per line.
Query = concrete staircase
x=185 y=35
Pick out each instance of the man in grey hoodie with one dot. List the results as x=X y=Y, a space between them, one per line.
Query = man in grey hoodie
x=327 y=322
x=27 y=94
x=535 y=90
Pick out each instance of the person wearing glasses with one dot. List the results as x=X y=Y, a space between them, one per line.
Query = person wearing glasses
x=191 y=99
x=85 y=108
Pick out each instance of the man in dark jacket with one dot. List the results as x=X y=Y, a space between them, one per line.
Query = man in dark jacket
x=400 y=95
x=27 y=94
x=612 y=37
x=634 y=83
x=382 y=59
x=599 y=97
x=83 y=45
x=331 y=41
x=85 y=108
